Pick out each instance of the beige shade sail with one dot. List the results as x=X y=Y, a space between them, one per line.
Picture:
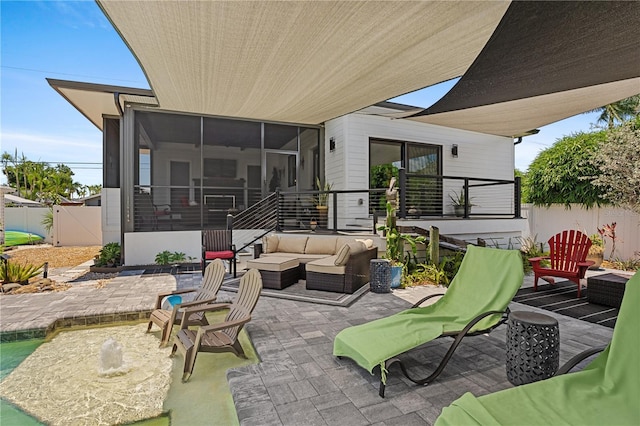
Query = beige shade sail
x=298 y=61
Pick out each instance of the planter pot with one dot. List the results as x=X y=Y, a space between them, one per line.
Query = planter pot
x=396 y=276
x=459 y=211
x=595 y=257
x=322 y=216
x=105 y=269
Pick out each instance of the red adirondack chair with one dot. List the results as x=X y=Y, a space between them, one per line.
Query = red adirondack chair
x=567 y=253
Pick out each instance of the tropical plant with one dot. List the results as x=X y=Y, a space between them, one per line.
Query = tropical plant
x=530 y=247
x=617 y=164
x=37 y=180
x=47 y=221
x=618 y=111
x=109 y=255
x=321 y=198
x=626 y=265
x=562 y=173
x=458 y=199
x=436 y=273
x=609 y=230
x=12 y=272
x=166 y=257
x=397 y=240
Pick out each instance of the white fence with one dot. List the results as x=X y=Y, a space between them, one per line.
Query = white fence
x=72 y=225
x=26 y=219
x=545 y=222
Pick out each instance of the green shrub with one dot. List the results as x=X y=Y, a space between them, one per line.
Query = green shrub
x=530 y=247
x=109 y=255
x=12 y=272
x=166 y=257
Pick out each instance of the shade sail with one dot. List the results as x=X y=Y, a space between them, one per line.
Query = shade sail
x=300 y=61
x=546 y=61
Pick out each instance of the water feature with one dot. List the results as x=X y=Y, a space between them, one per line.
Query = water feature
x=111 y=360
x=98 y=376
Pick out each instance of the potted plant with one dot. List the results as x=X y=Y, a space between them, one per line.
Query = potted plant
x=395 y=242
x=320 y=201
x=459 y=202
x=596 y=251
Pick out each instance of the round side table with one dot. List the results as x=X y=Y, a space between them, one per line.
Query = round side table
x=380 y=276
x=533 y=347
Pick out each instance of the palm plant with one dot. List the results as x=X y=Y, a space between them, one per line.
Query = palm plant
x=618 y=111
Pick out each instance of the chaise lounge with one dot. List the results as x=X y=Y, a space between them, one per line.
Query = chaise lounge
x=475 y=303
x=603 y=393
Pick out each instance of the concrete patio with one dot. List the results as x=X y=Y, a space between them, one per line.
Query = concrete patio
x=299 y=381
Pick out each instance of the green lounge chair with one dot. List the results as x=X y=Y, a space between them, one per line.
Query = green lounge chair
x=603 y=393
x=475 y=303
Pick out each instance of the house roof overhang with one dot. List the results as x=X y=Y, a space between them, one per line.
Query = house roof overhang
x=300 y=61
x=95 y=101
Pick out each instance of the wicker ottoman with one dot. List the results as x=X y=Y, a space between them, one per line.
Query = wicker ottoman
x=606 y=289
x=533 y=347
x=277 y=272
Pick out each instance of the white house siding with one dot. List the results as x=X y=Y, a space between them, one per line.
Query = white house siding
x=479 y=155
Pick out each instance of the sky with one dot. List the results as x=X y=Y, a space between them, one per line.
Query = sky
x=74 y=41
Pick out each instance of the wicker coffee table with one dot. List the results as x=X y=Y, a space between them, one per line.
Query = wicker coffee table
x=607 y=289
x=277 y=272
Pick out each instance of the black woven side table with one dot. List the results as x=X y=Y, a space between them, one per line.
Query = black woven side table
x=533 y=347
x=380 y=276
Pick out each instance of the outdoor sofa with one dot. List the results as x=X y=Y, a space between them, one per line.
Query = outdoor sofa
x=329 y=263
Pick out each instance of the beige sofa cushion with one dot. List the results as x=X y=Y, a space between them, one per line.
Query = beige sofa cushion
x=272 y=263
x=302 y=257
x=343 y=254
x=270 y=243
x=321 y=245
x=326 y=265
x=368 y=243
x=292 y=244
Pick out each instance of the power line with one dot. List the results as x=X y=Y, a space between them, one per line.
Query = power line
x=70 y=75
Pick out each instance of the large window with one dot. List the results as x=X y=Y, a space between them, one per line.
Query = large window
x=422 y=163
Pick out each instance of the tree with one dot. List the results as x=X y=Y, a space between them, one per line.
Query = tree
x=618 y=112
x=36 y=180
x=562 y=173
x=618 y=163
x=524 y=188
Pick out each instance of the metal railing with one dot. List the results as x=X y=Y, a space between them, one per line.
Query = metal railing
x=162 y=208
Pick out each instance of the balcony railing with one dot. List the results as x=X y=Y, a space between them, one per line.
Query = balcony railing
x=164 y=208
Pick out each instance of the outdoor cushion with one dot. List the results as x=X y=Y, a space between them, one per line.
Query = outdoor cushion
x=486 y=281
x=302 y=257
x=342 y=255
x=321 y=245
x=604 y=393
x=368 y=243
x=224 y=254
x=326 y=265
x=273 y=263
x=292 y=244
x=270 y=243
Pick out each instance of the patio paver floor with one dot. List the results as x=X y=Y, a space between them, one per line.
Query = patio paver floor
x=299 y=381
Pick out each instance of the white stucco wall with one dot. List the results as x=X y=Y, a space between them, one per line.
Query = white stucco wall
x=141 y=248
